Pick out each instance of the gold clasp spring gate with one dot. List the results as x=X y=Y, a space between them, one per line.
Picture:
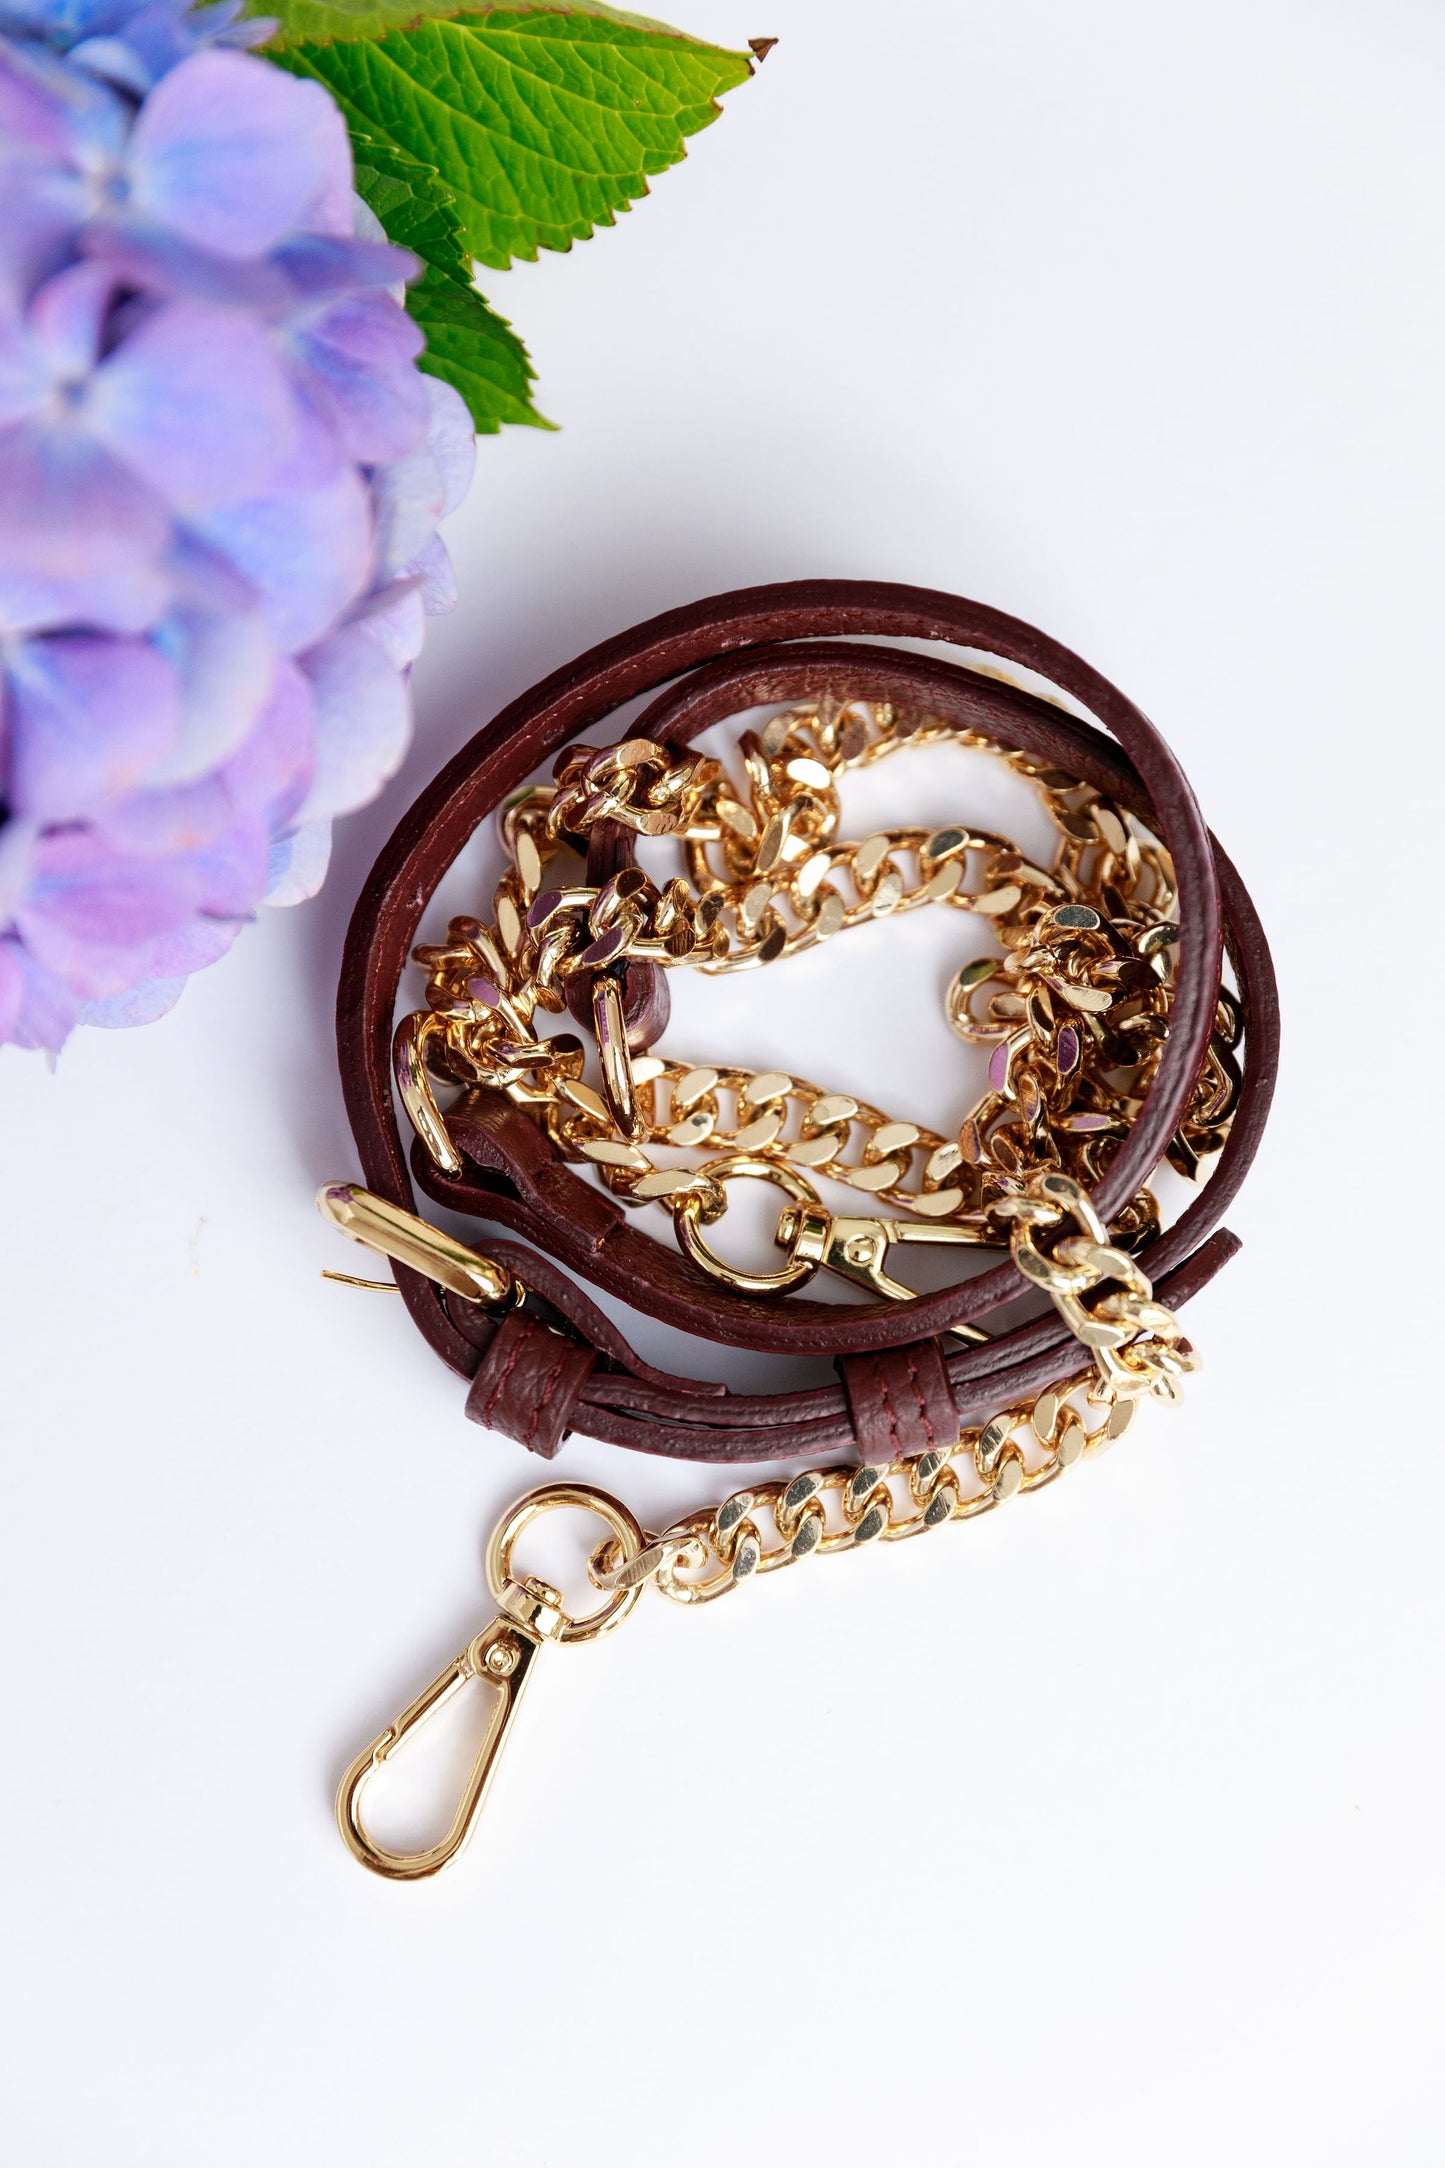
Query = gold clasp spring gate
x=814 y=1238
x=530 y=1614
x=1138 y=1351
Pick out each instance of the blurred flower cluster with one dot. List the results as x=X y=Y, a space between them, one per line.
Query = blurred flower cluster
x=220 y=477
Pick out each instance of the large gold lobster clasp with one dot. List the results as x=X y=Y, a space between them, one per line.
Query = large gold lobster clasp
x=529 y=1615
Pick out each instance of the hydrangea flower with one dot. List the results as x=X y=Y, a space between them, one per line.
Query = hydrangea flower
x=221 y=474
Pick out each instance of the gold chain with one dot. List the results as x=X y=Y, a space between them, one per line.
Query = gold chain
x=1074 y=1007
x=1138 y=1351
x=1138 y=1348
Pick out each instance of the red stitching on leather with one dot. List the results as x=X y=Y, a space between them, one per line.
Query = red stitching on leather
x=547 y=1392
x=507 y=1368
x=887 y=1403
x=922 y=1403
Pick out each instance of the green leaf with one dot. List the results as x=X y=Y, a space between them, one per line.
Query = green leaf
x=543 y=123
x=413 y=202
x=317 y=22
x=474 y=349
x=467 y=343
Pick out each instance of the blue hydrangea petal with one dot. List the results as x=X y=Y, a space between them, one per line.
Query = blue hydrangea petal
x=203 y=436
x=308 y=555
x=355 y=359
x=233 y=153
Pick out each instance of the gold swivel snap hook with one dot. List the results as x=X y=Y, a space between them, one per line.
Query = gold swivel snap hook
x=501 y=1656
x=814 y=1238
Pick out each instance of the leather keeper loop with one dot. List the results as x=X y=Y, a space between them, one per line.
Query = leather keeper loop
x=528 y=1381
x=899 y=1401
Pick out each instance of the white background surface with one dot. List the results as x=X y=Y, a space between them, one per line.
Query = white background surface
x=1106 y=1830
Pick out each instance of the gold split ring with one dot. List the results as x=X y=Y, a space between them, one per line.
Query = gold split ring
x=623 y=1525
x=689 y=1213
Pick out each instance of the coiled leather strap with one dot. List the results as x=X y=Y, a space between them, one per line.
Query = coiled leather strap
x=716 y=657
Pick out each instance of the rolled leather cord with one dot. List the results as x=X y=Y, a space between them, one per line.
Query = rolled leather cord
x=557 y=1363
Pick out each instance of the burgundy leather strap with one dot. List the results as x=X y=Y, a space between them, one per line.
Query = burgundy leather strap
x=899 y=1402
x=528 y=1381
x=724 y=655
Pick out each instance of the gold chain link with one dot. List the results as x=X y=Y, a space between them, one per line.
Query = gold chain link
x=1139 y=1351
x=1074 y=1007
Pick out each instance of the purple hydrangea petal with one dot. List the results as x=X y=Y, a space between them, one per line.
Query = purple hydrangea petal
x=298 y=864
x=161 y=968
x=308 y=554
x=144 y=1004
x=233 y=153
x=61 y=134
x=395 y=618
x=363 y=721
x=213 y=434
x=52 y=117
x=203 y=436
x=355 y=359
x=37 y=1009
x=90 y=907
x=65 y=323
x=18 y=839
x=191 y=947
x=413 y=493
x=271 y=772
x=74 y=522
x=12 y=988
x=452 y=438
x=438 y=578
x=224 y=847
x=89 y=717
x=168 y=823
x=231 y=871
x=226 y=666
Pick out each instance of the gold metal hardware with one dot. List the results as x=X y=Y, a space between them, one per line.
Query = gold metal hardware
x=501 y=1656
x=393 y=1233
x=1137 y=1348
x=690 y=1211
x=1073 y=1006
x=813 y=1237
x=857 y=1247
x=612 y=1052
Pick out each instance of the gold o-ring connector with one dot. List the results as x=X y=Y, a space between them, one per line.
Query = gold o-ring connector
x=622 y=1524
x=690 y=1212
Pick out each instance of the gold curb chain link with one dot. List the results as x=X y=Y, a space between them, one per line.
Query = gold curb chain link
x=1073 y=1007
x=1138 y=1349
